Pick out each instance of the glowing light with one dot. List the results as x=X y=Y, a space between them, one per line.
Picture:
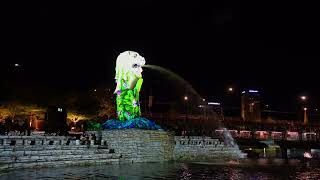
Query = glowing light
x=230 y=89
x=16 y=65
x=305 y=109
x=307 y=155
x=213 y=103
x=203 y=100
x=243 y=92
x=303 y=98
x=75 y=117
x=253 y=91
x=186 y=98
x=292 y=135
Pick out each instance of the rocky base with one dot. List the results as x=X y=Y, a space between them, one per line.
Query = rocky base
x=140 y=123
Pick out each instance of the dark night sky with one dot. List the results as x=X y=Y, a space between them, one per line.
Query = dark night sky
x=271 y=47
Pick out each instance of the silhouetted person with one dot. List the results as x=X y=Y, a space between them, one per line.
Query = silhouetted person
x=8 y=124
x=28 y=131
x=2 y=129
x=24 y=127
x=87 y=140
x=93 y=137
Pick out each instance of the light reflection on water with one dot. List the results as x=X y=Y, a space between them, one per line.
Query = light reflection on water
x=246 y=169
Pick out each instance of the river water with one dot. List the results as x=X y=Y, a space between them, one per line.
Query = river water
x=245 y=169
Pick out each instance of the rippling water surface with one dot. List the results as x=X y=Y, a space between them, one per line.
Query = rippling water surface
x=247 y=169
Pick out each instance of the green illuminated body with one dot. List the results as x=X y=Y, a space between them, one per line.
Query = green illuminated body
x=128 y=106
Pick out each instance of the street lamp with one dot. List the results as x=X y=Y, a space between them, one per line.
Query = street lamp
x=229 y=98
x=303 y=98
x=305 y=116
x=186 y=104
x=204 y=109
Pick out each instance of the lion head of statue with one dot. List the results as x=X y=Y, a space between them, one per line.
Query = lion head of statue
x=128 y=67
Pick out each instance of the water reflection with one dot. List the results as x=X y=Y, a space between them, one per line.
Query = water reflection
x=247 y=169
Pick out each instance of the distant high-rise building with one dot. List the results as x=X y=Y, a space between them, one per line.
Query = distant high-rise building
x=250 y=106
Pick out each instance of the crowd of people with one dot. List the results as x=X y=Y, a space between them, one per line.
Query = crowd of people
x=9 y=127
x=86 y=138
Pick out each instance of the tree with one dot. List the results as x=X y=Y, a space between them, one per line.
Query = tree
x=106 y=103
x=14 y=107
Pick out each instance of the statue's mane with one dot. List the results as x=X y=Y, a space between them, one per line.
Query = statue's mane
x=124 y=63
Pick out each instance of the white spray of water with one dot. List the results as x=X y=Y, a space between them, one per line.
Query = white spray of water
x=228 y=139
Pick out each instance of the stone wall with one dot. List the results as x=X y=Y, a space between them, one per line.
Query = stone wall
x=196 y=148
x=117 y=146
x=136 y=145
x=48 y=151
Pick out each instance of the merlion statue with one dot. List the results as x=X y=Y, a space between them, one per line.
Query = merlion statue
x=129 y=80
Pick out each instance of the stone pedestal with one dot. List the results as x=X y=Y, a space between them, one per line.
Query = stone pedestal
x=137 y=145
